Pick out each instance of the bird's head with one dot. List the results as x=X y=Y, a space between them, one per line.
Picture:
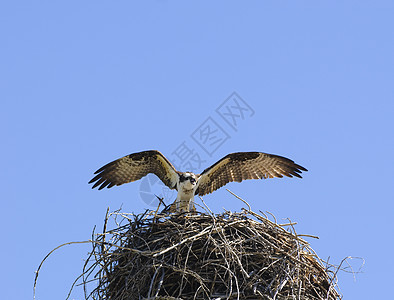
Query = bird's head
x=187 y=180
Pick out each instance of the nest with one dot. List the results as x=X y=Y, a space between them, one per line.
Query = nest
x=204 y=256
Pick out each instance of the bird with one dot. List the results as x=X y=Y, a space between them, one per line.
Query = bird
x=236 y=166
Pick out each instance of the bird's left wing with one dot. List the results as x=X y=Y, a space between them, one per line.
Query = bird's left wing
x=245 y=165
x=135 y=166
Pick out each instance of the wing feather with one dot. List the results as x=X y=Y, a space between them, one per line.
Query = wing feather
x=133 y=167
x=246 y=165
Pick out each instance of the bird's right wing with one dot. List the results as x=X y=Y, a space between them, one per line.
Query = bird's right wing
x=135 y=166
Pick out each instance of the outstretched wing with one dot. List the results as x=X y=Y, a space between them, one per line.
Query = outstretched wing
x=246 y=165
x=135 y=166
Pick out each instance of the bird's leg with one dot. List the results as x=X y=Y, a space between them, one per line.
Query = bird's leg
x=184 y=206
x=178 y=204
x=191 y=205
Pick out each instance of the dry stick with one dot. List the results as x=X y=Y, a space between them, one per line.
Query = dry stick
x=308 y=235
x=249 y=208
x=153 y=280
x=281 y=251
x=206 y=206
x=81 y=242
x=339 y=267
x=260 y=217
x=160 y=202
x=232 y=276
x=185 y=265
x=84 y=271
x=76 y=280
x=272 y=215
x=39 y=267
x=287 y=224
x=278 y=226
x=103 y=248
x=280 y=287
x=160 y=283
x=294 y=231
x=236 y=256
x=190 y=272
x=183 y=241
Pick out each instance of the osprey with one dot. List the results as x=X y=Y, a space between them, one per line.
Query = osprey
x=233 y=167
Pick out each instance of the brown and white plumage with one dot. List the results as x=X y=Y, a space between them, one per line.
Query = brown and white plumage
x=233 y=167
x=133 y=167
x=246 y=165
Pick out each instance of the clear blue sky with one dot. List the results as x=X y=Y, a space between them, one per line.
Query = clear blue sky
x=85 y=82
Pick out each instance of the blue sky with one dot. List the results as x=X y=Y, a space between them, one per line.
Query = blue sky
x=85 y=82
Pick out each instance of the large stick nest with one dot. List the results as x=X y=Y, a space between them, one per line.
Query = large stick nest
x=204 y=256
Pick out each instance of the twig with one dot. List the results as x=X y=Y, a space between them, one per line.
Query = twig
x=39 y=267
x=249 y=208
